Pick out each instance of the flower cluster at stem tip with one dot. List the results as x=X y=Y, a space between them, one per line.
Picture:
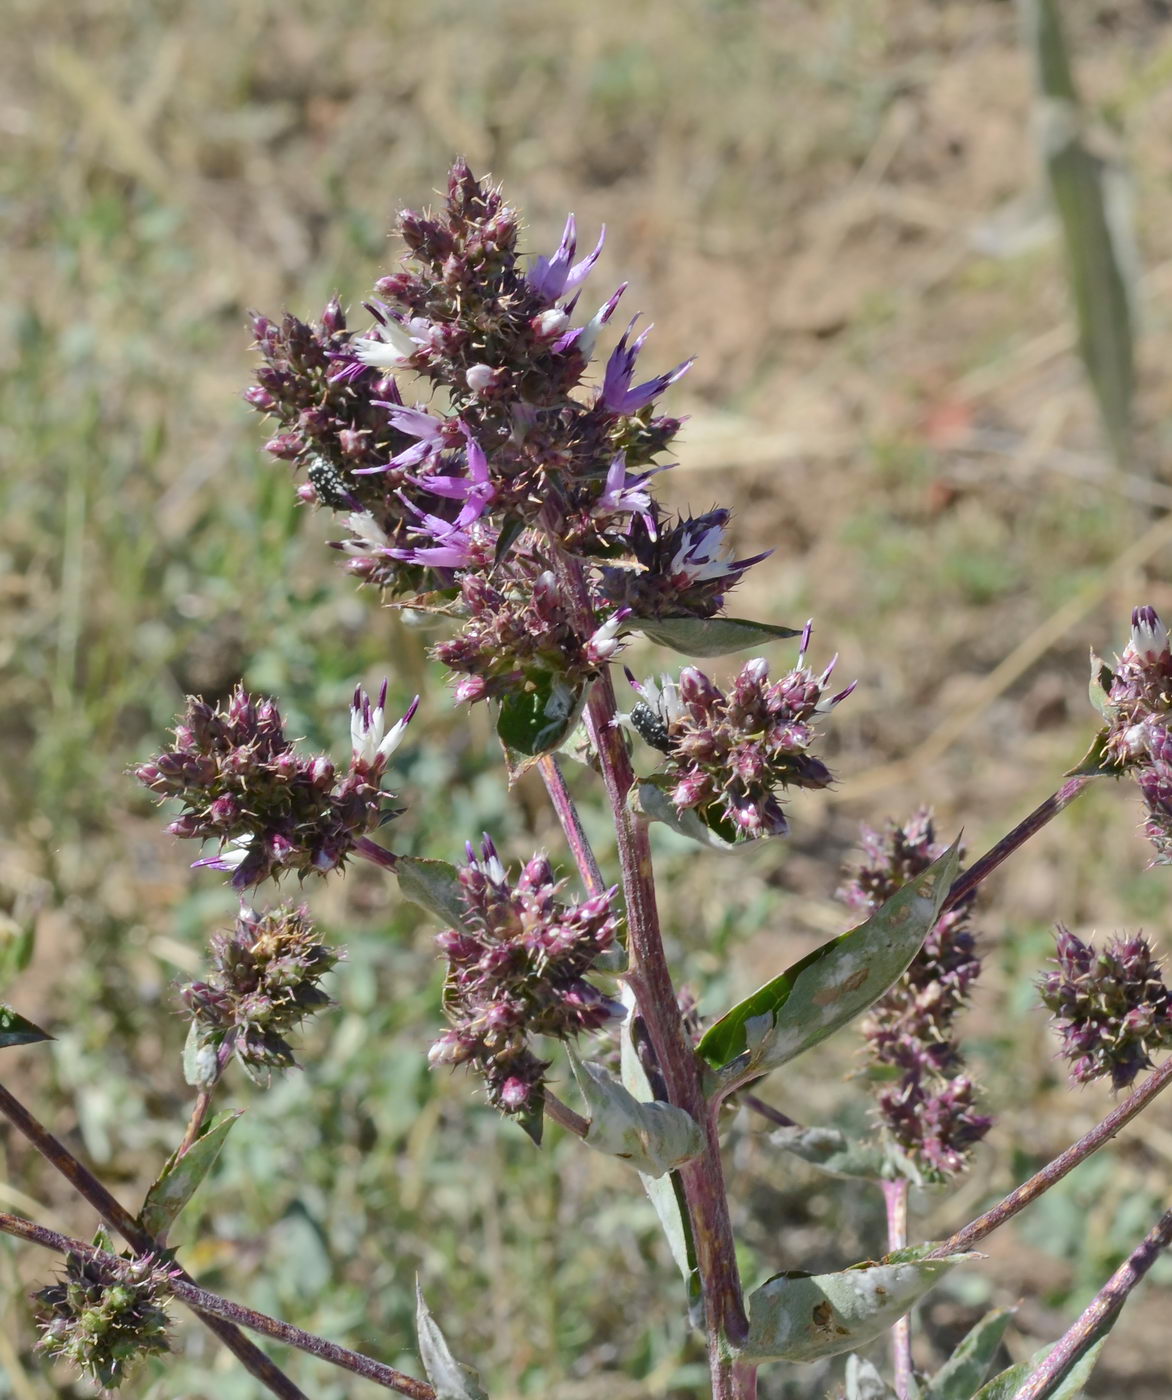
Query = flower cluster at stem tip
x=265 y=980
x=928 y=1111
x=102 y=1318
x=1138 y=710
x=517 y=469
x=517 y=968
x=1112 y=1006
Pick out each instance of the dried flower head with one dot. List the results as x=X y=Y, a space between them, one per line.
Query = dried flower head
x=272 y=809
x=1111 y=1005
x=102 y=1317
x=909 y=1031
x=265 y=980
x=517 y=968
x=728 y=754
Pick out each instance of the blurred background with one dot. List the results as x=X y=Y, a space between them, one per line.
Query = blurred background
x=931 y=296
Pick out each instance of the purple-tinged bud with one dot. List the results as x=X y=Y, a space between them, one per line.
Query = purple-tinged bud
x=483 y=379
x=514 y=1094
x=286 y=446
x=186 y=827
x=471 y=689
x=1149 y=636
x=696 y=689
x=321 y=773
x=537 y=872
x=224 y=812
x=260 y=398
x=333 y=318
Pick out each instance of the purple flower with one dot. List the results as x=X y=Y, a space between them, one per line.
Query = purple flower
x=551 y=278
x=617 y=395
x=909 y=1031
x=1111 y=1006
x=517 y=968
x=272 y=809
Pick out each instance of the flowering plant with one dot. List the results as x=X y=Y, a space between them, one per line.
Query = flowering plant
x=485 y=474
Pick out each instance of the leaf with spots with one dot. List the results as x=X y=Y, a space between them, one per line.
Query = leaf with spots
x=830 y=986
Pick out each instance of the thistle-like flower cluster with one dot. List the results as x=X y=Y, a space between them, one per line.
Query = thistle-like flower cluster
x=243 y=784
x=517 y=968
x=515 y=499
x=728 y=754
x=1138 y=709
x=265 y=980
x=1112 y=1006
x=929 y=1111
x=102 y=1318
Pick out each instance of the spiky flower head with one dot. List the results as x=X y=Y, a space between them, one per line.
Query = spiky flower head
x=517 y=968
x=102 y=1317
x=265 y=979
x=729 y=754
x=929 y=1111
x=1111 y=1006
x=272 y=809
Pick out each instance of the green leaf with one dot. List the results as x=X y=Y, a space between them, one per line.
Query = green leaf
x=1093 y=199
x=707 y=636
x=833 y=1152
x=1006 y=1384
x=1095 y=763
x=435 y=886
x=177 y=1182
x=831 y=985
x=799 y=1317
x=654 y=801
x=452 y=1380
x=665 y=1192
x=962 y=1374
x=15 y=1030
x=538 y=715
x=654 y=1138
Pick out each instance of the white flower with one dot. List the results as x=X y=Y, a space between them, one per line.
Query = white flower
x=371 y=746
x=397 y=344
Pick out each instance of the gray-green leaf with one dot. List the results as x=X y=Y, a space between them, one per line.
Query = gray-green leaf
x=177 y=1182
x=707 y=636
x=833 y=1152
x=16 y=1030
x=434 y=885
x=803 y=1317
x=656 y=805
x=1006 y=1384
x=654 y=1138
x=962 y=1374
x=201 y=1062
x=831 y=985
x=664 y=1192
x=863 y=1381
x=452 y=1380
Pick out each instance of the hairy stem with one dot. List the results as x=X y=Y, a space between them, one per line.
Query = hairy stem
x=563 y=805
x=970 y=879
x=211 y=1305
x=895 y=1199
x=1054 y=1171
x=119 y=1218
x=1099 y=1315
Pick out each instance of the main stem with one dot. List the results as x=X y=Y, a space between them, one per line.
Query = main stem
x=1099 y=1315
x=895 y=1199
x=650 y=979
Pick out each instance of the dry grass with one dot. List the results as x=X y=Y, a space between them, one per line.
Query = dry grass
x=834 y=203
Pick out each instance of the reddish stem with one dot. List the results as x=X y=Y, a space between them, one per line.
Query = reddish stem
x=119 y=1218
x=576 y=839
x=1099 y=1315
x=895 y=1199
x=211 y=1305
x=968 y=880
x=1054 y=1171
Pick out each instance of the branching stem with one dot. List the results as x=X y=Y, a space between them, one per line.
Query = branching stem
x=212 y=1306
